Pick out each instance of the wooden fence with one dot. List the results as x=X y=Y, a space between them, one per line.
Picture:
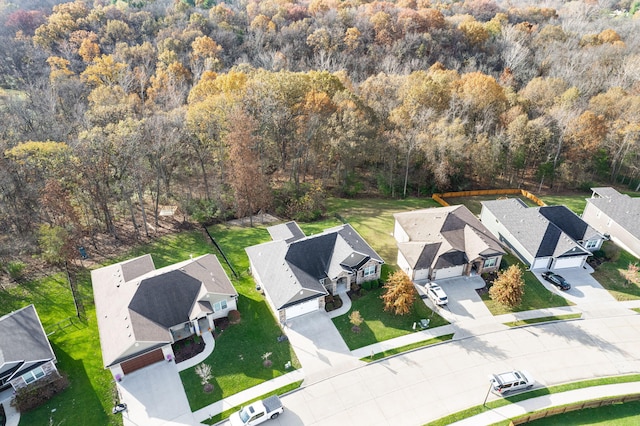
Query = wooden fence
x=573 y=407
x=439 y=198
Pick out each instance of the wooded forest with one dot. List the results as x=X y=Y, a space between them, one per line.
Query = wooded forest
x=111 y=109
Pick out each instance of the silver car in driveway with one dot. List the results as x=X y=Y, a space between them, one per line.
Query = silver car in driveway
x=437 y=294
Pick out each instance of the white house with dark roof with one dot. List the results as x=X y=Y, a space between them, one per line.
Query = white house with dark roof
x=25 y=352
x=296 y=272
x=548 y=237
x=444 y=242
x=617 y=215
x=142 y=310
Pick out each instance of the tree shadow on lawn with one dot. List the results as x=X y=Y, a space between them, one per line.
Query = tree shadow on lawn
x=237 y=361
x=77 y=405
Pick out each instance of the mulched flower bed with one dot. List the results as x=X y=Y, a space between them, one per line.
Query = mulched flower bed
x=187 y=348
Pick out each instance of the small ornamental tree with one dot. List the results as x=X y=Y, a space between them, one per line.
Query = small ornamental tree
x=399 y=294
x=508 y=288
x=204 y=372
x=356 y=319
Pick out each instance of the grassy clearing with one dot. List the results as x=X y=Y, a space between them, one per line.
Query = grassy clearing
x=479 y=409
x=379 y=325
x=542 y=319
x=536 y=296
x=407 y=348
x=474 y=203
x=574 y=202
x=75 y=342
x=227 y=413
x=609 y=274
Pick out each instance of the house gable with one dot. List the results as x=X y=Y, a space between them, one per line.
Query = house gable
x=621 y=208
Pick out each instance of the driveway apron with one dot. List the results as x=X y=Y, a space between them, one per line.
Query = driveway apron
x=155 y=396
x=585 y=290
x=319 y=347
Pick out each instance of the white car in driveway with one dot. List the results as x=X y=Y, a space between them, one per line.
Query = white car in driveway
x=437 y=294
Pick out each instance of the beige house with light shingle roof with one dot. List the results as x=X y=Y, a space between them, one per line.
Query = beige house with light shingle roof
x=444 y=242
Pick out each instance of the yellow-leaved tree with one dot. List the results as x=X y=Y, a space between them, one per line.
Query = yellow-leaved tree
x=508 y=288
x=399 y=294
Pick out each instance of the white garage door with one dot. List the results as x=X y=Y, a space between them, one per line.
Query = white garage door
x=454 y=271
x=541 y=263
x=302 y=308
x=421 y=274
x=569 y=262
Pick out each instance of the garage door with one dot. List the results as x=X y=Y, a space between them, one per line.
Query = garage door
x=569 y=262
x=454 y=271
x=142 y=361
x=302 y=308
x=421 y=274
x=541 y=263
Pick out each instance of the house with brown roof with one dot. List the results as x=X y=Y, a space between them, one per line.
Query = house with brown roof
x=444 y=242
x=142 y=310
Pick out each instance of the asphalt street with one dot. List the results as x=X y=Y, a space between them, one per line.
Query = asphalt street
x=424 y=385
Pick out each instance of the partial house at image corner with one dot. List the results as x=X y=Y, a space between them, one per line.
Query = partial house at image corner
x=444 y=242
x=297 y=272
x=25 y=352
x=616 y=215
x=547 y=237
x=142 y=310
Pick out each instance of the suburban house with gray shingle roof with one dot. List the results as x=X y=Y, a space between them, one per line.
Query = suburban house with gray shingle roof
x=444 y=242
x=142 y=310
x=297 y=272
x=25 y=352
x=617 y=215
x=548 y=237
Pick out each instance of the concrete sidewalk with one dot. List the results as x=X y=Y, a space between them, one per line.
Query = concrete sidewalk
x=549 y=401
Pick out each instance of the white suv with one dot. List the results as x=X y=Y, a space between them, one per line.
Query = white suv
x=511 y=381
x=437 y=294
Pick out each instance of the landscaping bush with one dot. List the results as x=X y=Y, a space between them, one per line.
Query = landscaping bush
x=366 y=285
x=16 y=270
x=612 y=252
x=39 y=392
x=599 y=254
x=234 y=317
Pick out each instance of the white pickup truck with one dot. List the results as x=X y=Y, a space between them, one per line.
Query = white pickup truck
x=258 y=412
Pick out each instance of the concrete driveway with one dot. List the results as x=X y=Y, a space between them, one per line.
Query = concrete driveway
x=585 y=290
x=155 y=396
x=464 y=302
x=319 y=347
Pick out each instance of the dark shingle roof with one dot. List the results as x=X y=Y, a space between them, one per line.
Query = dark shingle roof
x=288 y=232
x=536 y=233
x=22 y=337
x=292 y=272
x=569 y=222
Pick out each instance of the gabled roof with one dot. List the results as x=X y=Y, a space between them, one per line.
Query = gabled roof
x=443 y=237
x=570 y=223
x=293 y=270
x=22 y=338
x=136 y=304
x=289 y=231
x=539 y=236
x=621 y=208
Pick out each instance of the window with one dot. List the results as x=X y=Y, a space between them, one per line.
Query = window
x=489 y=263
x=33 y=375
x=369 y=270
x=220 y=306
x=592 y=244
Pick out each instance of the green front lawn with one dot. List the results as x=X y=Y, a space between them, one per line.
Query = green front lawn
x=609 y=274
x=529 y=321
x=75 y=342
x=379 y=325
x=407 y=348
x=536 y=296
x=627 y=414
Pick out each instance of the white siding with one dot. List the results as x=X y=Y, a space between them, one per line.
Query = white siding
x=399 y=233
x=404 y=265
